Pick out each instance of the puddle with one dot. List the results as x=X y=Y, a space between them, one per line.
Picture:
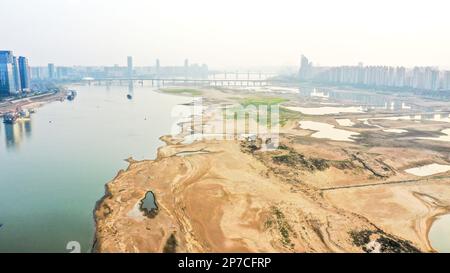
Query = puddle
x=345 y=122
x=395 y=131
x=148 y=204
x=327 y=131
x=327 y=110
x=439 y=235
x=418 y=117
x=428 y=169
x=446 y=137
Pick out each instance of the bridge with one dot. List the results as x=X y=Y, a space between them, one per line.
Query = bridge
x=186 y=82
x=237 y=74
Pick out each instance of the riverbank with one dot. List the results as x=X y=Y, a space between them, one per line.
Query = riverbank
x=229 y=195
x=31 y=102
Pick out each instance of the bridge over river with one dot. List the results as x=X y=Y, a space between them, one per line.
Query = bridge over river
x=180 y=81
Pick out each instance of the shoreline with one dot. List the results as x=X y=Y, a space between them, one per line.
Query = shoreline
x=435 y=212
x=34 y=102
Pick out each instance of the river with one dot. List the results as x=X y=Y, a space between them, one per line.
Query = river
x=54 y=167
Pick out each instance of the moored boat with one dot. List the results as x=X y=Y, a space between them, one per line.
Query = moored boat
x=10 y=117
x=71 y=95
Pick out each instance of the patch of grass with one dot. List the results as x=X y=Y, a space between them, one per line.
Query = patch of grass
x=257 y=101
x=268 y=224
x=294 y=159
x=283 y=147
x=286 y=115
x=181 y=91
x=251 y=105
x=283 y=227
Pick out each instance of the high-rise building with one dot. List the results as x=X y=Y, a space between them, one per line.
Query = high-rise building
x=305 y=70
x=24 y=70
x=446 y=80
x=35 y=72
x=130 y=66
x=420 y=78
x=51 y=71
x=7 y=83
x=16 y=72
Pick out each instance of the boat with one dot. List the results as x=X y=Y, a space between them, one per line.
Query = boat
x=23 y=113
x=71 y=95
x=129 y=96
x=10 y=117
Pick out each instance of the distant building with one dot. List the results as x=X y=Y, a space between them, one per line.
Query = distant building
x=7 y=83
x=305 y=71
x=421 y=78
x=63 y=72
x=130 y=66
x=51 y=71
x=24 y=71
x=157 y=67
x=186 y=68
x=16 y=73
x=35 y=72
x=446 y=80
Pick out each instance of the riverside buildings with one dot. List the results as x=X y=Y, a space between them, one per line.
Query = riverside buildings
x=14 y=74
x=420 y=78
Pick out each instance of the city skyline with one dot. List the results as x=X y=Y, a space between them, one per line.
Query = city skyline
x=343 y=33
x=17 y=74
x=424 y=78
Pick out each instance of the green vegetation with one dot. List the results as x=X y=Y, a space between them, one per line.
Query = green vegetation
x=294 y=159
x=257 y=101
x=283 y=115
x=283 y=147
x=388 y=243
x=283 y=227
x=286 y=114
x=250 y=146
x=181 y=91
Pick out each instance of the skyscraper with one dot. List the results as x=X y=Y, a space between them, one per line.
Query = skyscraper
x=7 y=86
x=51 y=71
x=304 y=72
x=16 y=73
x=130 y=66
x=24 y=70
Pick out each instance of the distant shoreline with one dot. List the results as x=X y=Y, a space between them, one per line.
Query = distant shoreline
x=31 y=102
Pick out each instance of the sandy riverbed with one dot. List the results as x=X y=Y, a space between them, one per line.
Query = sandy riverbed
x=312 y=195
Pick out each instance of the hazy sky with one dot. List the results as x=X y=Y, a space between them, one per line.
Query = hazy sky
x=227 y=33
